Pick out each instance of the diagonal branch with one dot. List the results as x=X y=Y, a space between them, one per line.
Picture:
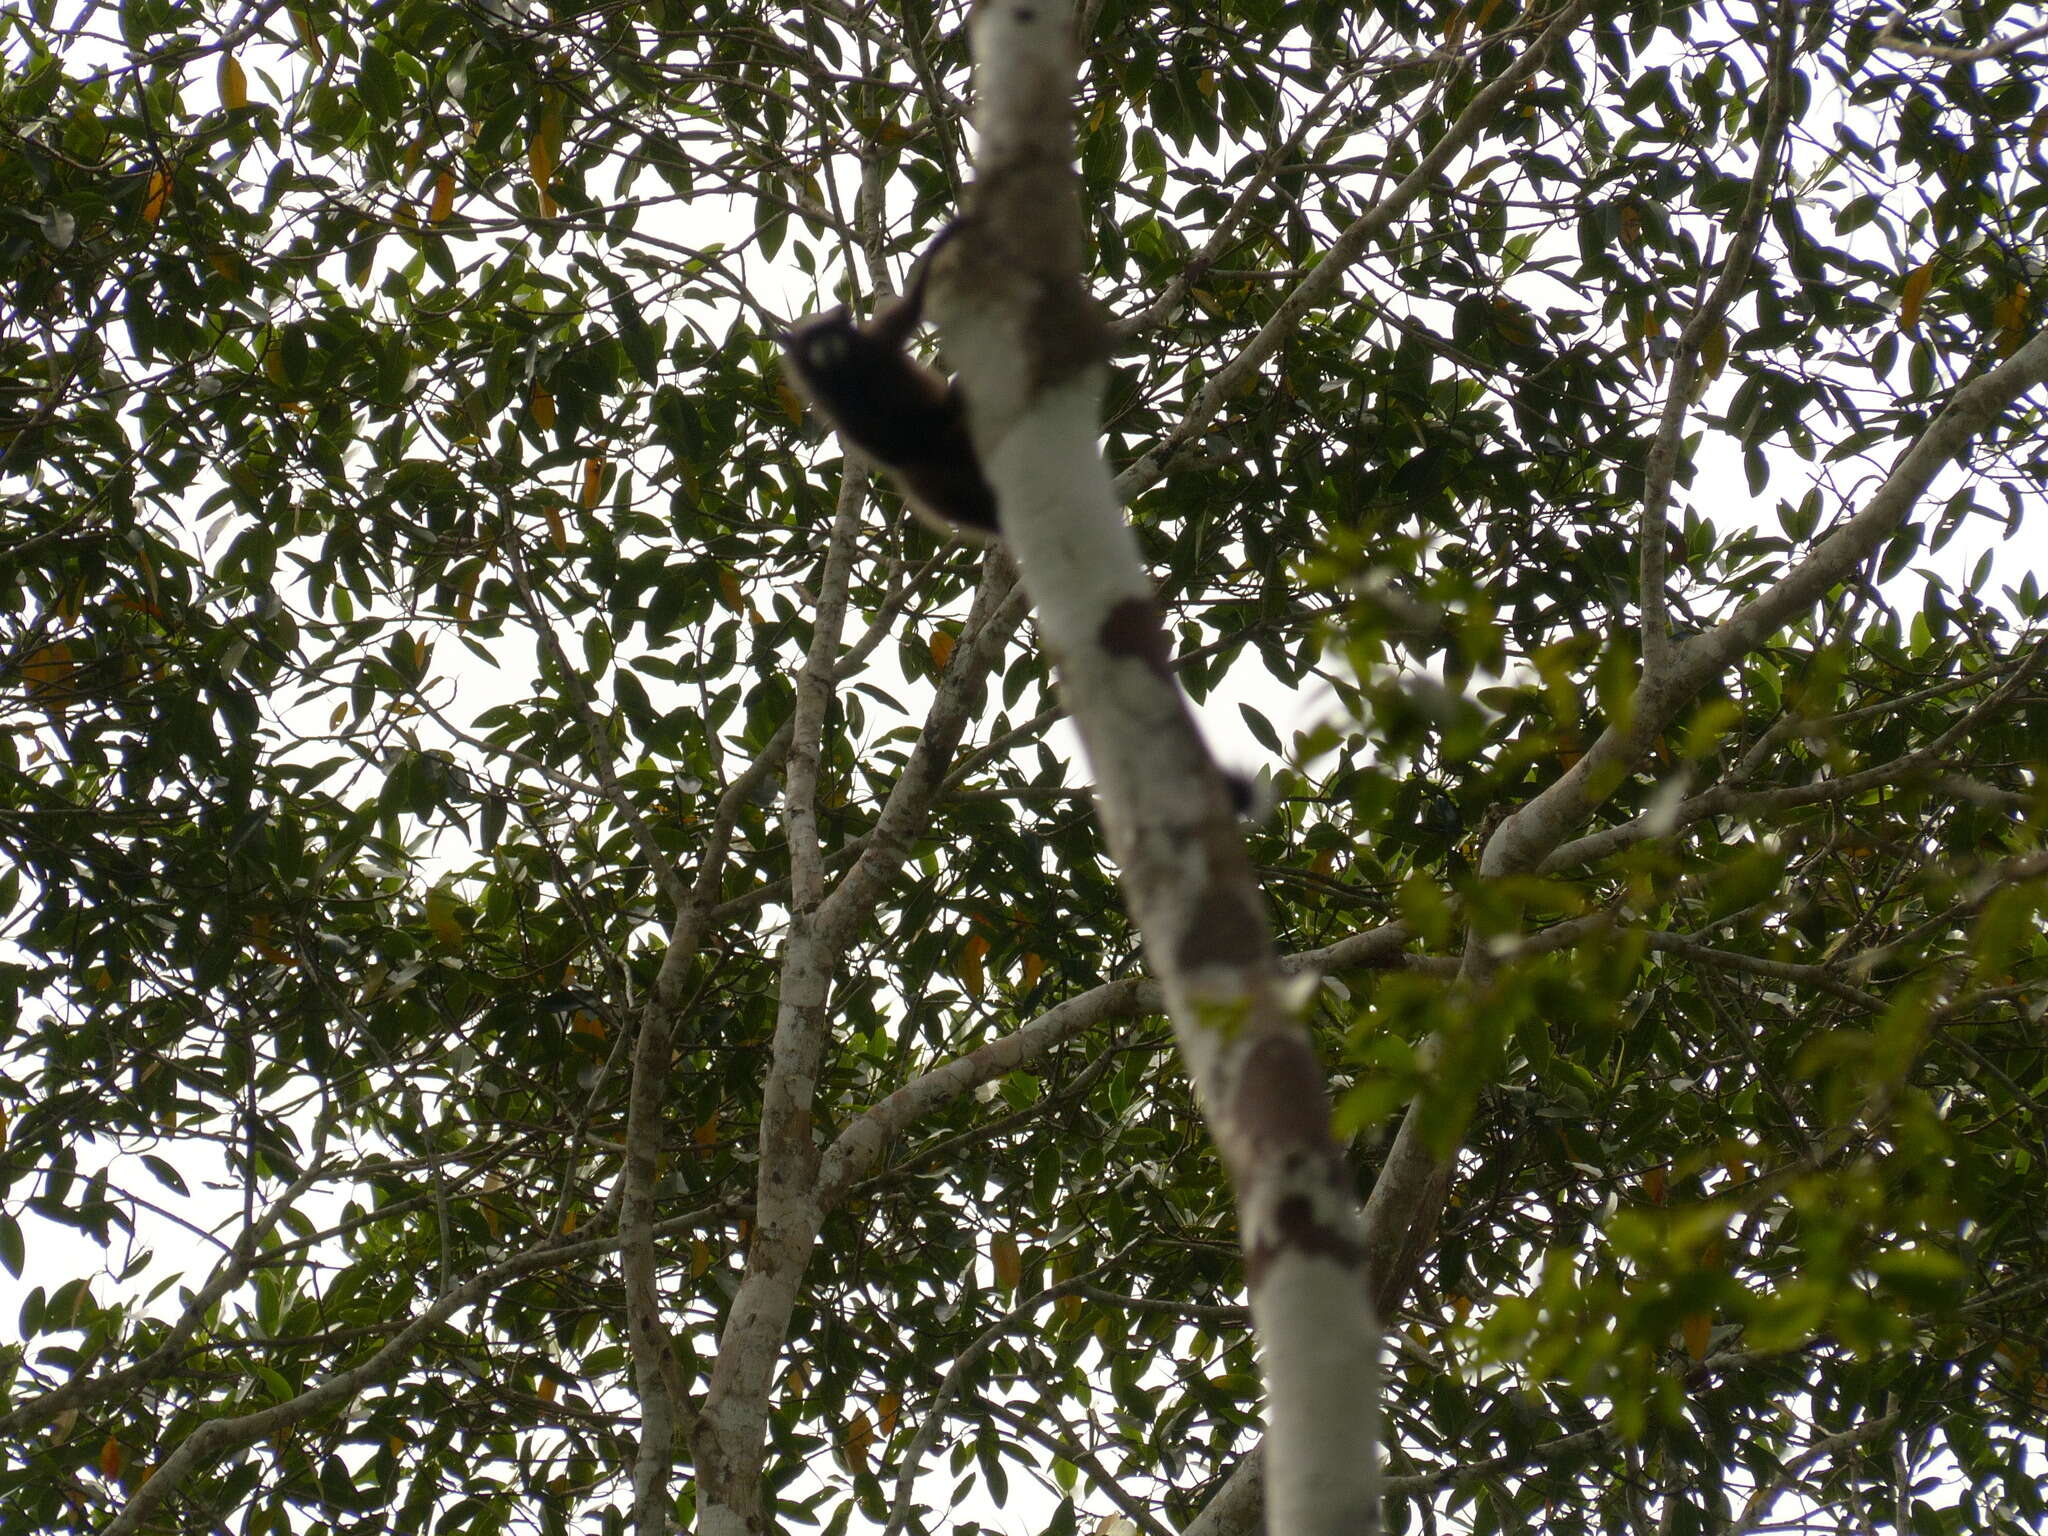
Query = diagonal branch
x=1653 y=537
x=1321 y=285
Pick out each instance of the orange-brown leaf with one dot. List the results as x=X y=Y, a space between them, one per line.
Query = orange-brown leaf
x=729 y=592
x=1697 y=1329
x=443 y=202
x=1914 y=294
x=970 y=970
x=856 y=1440
x=154 y=198
x=1007 y=1261
x=49 y=670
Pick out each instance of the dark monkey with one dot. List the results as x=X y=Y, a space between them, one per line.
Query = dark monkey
x=909 y=419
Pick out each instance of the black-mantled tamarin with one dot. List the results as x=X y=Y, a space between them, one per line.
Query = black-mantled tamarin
x=912 y=421
x=908 y=418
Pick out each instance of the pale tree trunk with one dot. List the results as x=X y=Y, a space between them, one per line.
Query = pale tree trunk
x=1030 y=346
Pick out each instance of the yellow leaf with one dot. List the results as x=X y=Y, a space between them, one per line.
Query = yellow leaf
x=1034 y=967
x=970 y=972
x=558 y=532
x=855 y=1441
x=1914 y=294
x=443 y=202
x=303 y=25
x=112 y=1458
x=1513 y=323
x=568 y=1222
x=49 y=670
x=542 y=405
x=2010 y=315
x=233 y=83
x=153 y=199
x=729 y=591
x=542 y=148
x=593 y=483
x=942 y=648
x=547 y=1389
x=444 y=921
x=1062 y=1269
x=705 y=1137
x=1007 y=1261
x=1654 y=1186
x=791 y=402
x=700 y=1256
x=1697 y=1329
x=260 y=929
x=1713 y=358
x=582 y=1022
x=887 y=1407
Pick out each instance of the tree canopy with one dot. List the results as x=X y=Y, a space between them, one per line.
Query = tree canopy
x=1593 y=449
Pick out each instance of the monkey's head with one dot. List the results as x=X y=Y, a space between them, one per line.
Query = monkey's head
x=831 y=355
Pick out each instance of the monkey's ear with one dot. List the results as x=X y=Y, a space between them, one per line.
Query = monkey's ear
x=897 y=319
